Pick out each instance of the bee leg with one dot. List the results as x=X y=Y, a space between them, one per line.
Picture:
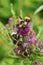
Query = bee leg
x=20 y=44
x=26 y=53
x=20 y=52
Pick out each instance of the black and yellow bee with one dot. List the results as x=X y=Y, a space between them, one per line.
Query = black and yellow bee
x=21 y=51
x=27 y=19
x=24 y=52
x=23 y=23
x=16 y=38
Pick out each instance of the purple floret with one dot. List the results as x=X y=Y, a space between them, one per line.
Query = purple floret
x=15 y=50
x=41 y=43
x=10 y=19
x=24 y=31
x=36 y=62
x=33 y=40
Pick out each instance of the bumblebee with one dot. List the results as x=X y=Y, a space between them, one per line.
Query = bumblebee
x=23 y=23
x=27 y=50
x=27 y=19
x=16 y=38
x=24 y=52
x=20 y=22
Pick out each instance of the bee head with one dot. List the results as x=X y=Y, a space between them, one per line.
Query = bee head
x=20 y=23
x=27 y=19
x=23 y=23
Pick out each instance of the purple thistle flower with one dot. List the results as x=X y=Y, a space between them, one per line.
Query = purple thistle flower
x=26 y=38
x=26 y=45
x=10 y=19
x=15 y=50
x=33 y=40
x=41 y=43
x=40 y=46
x=23 y=31
x=32 y=33
x=37 y=62
x=14 y=28
x=7 y=26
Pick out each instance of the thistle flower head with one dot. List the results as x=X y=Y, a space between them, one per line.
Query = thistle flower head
x=15 y=50
x=33 y=40
x=37 y=62
x=10 y=19
x=40 y=46
x=23 y=31
x=41 y=43
x=7 y=26
x=14 y=28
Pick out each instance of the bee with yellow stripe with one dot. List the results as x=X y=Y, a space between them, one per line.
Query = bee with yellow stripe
x=22 y=51
x=23 y=23
x=27 y=19
x=15 y=38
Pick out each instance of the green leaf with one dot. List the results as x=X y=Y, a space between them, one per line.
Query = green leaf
x=35 y=28
x=27 y=61
x=2 y=52
x=5 y=12
x=7 y=61
x=13 y=14
x=5 y=41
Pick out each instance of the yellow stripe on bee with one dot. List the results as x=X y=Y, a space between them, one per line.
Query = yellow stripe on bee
x=27 y=18
x=22 y=24
x=17 y=42
x=26 y=51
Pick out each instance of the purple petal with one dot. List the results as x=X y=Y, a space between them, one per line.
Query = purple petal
x=14 y=28
x=37 y=62
x=41 y=43
x=10 y=19
x=33 y=40
x=23 y=31
x=15 y=50
x=7 y=25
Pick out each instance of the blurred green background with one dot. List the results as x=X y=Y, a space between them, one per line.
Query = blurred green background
x=24 y=8
x=28 y=8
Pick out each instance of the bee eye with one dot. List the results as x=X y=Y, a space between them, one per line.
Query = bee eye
x=27 y=20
